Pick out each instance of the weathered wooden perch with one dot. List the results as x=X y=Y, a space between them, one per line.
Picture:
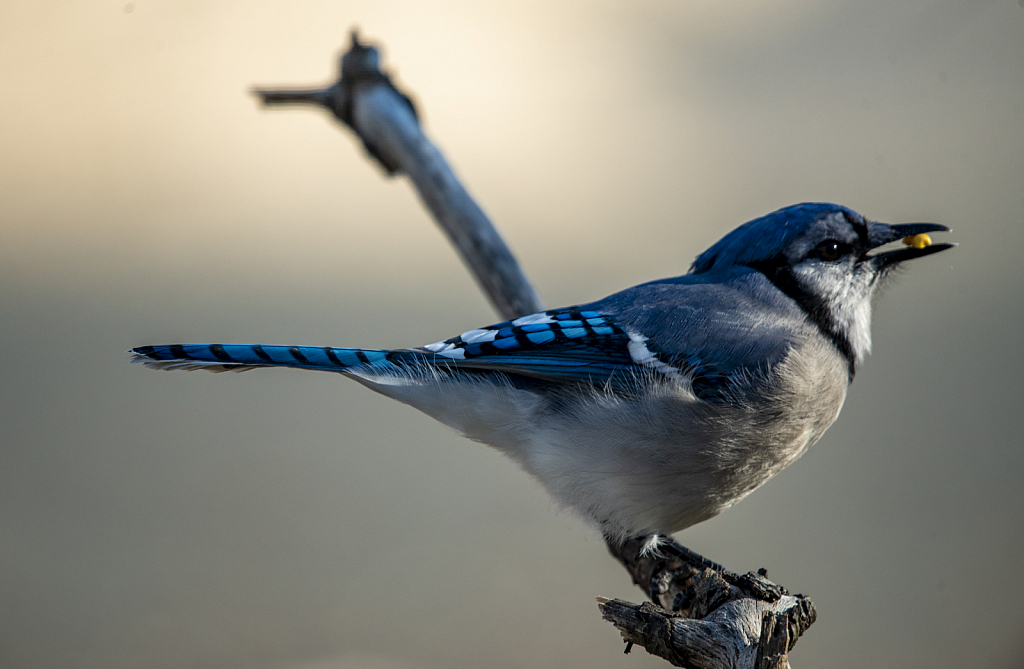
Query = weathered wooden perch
x=704 y=616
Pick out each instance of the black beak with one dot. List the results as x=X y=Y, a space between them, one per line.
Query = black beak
x=881 y=234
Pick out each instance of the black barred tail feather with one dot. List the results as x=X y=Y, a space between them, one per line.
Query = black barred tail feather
x=241 y=357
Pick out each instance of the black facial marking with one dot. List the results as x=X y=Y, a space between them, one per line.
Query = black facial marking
x=861 y=228
x=781 y=275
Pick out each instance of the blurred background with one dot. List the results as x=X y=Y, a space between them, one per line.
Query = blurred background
x=287 y=520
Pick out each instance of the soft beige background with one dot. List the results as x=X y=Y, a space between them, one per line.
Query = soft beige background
x=287 y=520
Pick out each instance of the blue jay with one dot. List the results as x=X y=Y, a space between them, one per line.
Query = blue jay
x=659 y=406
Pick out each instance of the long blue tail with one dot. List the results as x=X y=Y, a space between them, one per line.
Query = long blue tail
x=240 y=357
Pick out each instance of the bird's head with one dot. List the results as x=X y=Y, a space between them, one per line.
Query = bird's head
x=819 y=255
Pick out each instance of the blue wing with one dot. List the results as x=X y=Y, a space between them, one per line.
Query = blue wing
x=569 y=344
x=706 y=333
x=682 y=329
x=560 y=345
x=722 y=331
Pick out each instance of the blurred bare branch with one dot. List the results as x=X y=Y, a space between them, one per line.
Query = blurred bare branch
x=365 y=99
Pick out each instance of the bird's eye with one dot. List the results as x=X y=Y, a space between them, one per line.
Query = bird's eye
x=830 y=250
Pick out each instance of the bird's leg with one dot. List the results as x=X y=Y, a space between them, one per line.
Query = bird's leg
x=664 y=568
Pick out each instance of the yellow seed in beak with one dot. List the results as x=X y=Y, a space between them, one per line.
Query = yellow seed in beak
x=918 y=241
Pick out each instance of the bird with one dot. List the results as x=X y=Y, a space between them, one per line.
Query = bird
x=661 y=405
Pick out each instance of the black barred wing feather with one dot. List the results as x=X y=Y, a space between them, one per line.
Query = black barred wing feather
x=242 y=357
x=560 y=345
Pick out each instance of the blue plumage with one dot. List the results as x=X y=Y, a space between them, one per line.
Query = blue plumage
x=656 y=407
x=254 y=355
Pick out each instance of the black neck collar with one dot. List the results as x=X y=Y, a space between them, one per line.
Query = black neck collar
x=780 y=274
